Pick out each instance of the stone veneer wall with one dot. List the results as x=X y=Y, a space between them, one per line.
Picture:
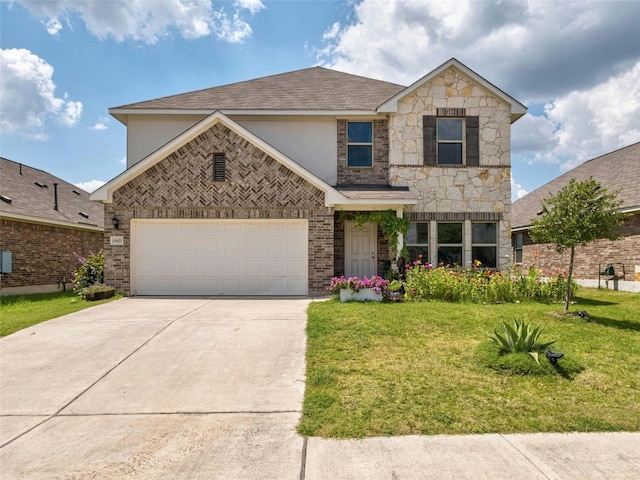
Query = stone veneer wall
x=625 y=250
x=256 y=187
x=456 y=188
x=376 y=175
x=44 y=254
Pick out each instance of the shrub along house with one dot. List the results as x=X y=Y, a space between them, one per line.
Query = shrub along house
x=618 y=170
x=249 y=188
x=44 y=223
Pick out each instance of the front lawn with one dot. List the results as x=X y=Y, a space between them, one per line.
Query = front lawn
x=22 y=311
x=420 y=368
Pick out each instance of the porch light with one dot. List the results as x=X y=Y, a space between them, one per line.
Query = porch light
x=115 y=221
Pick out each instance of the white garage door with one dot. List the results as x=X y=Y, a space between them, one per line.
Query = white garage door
x=219 y=257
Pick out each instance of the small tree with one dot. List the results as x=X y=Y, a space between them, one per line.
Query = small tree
x=580 y=213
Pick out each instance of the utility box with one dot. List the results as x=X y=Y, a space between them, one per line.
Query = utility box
x=5 y=261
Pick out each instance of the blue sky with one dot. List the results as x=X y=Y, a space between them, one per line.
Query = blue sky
x=576 y=65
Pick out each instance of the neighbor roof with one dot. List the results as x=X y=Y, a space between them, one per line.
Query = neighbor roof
x=28 y=194
x=618 y=170
x=313 y=89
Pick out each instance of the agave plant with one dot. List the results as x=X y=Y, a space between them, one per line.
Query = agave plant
x=522 y=337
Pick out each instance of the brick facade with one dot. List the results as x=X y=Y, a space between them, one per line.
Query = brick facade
x=44 y=254
x=378 y=174
x=624 y=251
x=256 y=187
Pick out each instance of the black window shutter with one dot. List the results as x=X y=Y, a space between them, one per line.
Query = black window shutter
x=219 y=167
x=472 y=132
x=429 y=141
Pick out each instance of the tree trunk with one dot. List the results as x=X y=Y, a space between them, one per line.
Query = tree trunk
x=567 y=297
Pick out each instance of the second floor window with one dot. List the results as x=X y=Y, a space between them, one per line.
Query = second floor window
x=450 y=141
x=359 y=144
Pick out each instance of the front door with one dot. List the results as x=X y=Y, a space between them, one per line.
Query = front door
x=360 y=250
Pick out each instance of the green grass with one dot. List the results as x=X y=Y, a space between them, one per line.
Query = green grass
x=426 y=368
x=22 y=311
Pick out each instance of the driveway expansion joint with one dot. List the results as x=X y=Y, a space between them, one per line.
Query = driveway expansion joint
x=525 y=456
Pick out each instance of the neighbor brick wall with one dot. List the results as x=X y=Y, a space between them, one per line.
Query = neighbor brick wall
x=256 y=187
x=376 y=175
x=43 y=254
x=625 y=251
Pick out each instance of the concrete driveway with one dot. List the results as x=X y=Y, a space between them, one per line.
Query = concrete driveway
x=146 y=388
x=156 y=388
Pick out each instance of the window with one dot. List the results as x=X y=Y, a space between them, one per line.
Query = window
x=219 y=167
x=450 y=243
x=449 y=133
x=451 y=138
x=359 y=144
x=518 y=248
x=416 y=240
x=484 y=243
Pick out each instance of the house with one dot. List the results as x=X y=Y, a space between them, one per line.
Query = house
x=250 y=188
x=618 y=170
x=45 y=223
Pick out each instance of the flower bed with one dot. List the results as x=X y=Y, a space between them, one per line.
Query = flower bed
x=359 y=289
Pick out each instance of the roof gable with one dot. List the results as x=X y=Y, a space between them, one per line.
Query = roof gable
x=29 y=194
x=517 y=109
x=105 y=193
x=618 y=170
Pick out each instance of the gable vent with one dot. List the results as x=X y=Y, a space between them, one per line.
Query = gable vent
x=5 y=199
x=82 y=214
x=219 y=167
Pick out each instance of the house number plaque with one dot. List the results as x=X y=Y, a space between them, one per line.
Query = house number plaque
x=116 y=240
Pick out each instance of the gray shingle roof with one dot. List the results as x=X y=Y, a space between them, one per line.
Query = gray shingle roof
x=314 y=88
x=27 y=198
x=616 y=170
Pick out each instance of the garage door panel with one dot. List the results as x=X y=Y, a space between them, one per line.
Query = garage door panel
x=220 y=257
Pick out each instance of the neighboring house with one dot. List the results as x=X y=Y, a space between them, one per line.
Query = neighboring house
x=238 y=189
x=618 y=170
x=44 y=223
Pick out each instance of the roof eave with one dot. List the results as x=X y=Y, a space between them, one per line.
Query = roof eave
x=47 y=221
x=122 y=114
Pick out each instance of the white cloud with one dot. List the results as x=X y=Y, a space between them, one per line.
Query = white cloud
x=91 y=185
x=516 y=190
x=148 y=21
x=583 y=124
x=101 y=124
x=53 y=26
x=28 y=95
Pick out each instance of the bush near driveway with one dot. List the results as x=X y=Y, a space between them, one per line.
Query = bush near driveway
x=417 y=368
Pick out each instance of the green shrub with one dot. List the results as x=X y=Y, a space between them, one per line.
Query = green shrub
x=95 y=290
x=521 y=364
x=521 y=338
x=90 y=272
x=478 y=285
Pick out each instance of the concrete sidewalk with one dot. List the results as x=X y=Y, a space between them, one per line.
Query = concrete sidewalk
x=212 y=389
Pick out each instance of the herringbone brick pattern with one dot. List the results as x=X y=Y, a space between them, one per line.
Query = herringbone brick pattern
x=253 y=179
x=256 y=186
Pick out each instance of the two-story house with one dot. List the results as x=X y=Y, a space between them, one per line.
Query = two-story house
x=239 y=189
